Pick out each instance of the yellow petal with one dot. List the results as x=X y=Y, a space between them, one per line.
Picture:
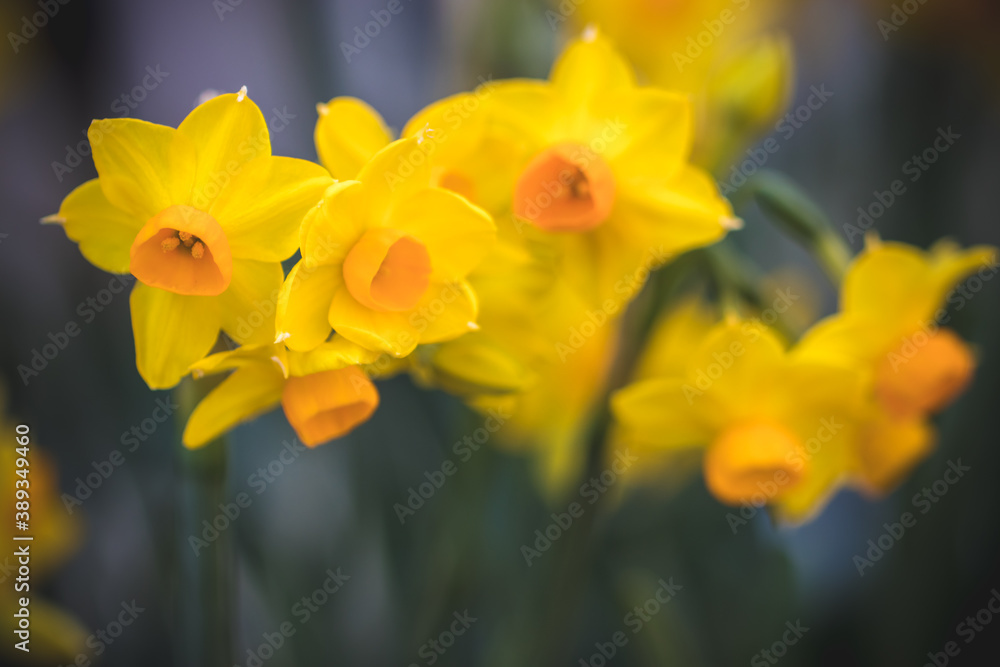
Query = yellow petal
x=348 y=133
x=245 y=355
x=457 y=234
x=447 y=311
x=889 y=448
x=103 y=231
x=228 y=131
x=143 y=167
x=331 y=355
x=473 y=364
x=262 y=207
x=330 y=230
x=903 y=286
x=680 y=330
x=662 y=413
x=590 y=67
x=172 y=331
x=304 y=303
x=530 y=110
x=647 y=135
x=390 y=332
x=396 y=173
x=247 y=393
x=248 y=306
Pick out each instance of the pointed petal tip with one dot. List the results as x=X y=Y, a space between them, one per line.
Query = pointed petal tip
x=731 y=223
x=242 y=95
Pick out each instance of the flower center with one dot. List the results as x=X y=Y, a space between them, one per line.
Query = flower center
x=565 y=188
x=183 y=250
x=753 y=458
x=387 y=270
x=326 y=405
x=923 y=375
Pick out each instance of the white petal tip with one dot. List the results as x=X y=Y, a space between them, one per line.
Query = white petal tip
x=282 y=337
x=54 y=219
x=472 y=326
x=589 y=33
x=731 y=223
x=197 y=374
x=240 y=96
x=322 y=109
x=281 y=365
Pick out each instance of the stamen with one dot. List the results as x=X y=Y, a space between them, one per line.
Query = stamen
x=198 y=250
x=187 y=238
x=170 y=243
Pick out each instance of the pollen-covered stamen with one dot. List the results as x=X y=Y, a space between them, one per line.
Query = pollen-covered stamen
x=183 y=250
x=565 y=188
x=188 y=240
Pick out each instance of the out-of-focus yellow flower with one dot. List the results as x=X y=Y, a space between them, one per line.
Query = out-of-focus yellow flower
x=388 y=255
x=890 y=323
x=202 y=215
x=603 y=179
x=774 y=427
x=324 y=392
x=56 y=636
x=677 y=43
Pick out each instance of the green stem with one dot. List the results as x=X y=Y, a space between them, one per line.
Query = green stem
x=205 y=585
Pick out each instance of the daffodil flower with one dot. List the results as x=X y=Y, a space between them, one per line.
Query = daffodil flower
x=773 y=426
x=202 y=216
x=890 y=324
x=603 y=178
x=385 y=259
x=325 y=393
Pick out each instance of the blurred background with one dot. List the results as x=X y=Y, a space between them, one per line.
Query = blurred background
x=331 y=510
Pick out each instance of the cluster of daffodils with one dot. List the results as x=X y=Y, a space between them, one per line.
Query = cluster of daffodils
x=491 y=251
x=847 y=404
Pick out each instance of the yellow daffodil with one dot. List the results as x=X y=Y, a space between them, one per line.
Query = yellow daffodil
x=676 y=43
x=465 y=152
x=603 y=182
x=324 y=392
x=388 y=255
x=775 y=428
x=202 y=216
x=890 y=323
